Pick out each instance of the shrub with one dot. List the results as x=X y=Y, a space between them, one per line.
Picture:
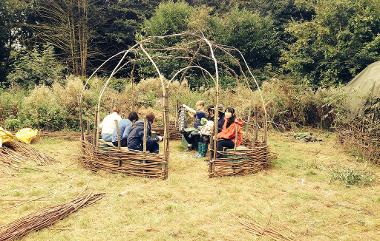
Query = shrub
x=35 y=67
x=10 y=104
x=42 y=110
x=352 y=177
x=12 y=123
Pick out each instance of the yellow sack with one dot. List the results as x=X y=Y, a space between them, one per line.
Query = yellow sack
x=27 y=135
x=5 y=136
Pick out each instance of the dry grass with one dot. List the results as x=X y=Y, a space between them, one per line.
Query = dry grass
x=295 y=193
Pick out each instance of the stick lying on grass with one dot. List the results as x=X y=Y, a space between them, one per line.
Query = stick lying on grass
x=259 y=230
x=45 y=218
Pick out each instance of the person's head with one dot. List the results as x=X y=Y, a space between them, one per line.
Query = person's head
x=133 y=116
x=210 y=110
x=220 y=110
x=200 y=105
x=150 y=117
x=230 y=115
x=115 y=109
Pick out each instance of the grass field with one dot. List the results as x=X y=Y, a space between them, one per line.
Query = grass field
x=295 y=194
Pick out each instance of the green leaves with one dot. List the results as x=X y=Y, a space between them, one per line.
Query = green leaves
x=339 y=42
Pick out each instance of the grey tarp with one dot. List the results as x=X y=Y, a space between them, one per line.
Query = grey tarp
x=365 y=86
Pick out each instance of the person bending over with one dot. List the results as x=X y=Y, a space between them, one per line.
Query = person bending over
x=227 y=137
x=191 y=135
x=125 y=126
x=107 y=126
x=136 y=136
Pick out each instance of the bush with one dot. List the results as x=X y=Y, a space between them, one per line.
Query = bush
x=42 y=110
x=35 y=67
x=12 y=124
x=11 y=101
x=338 y=43
x=352 y=177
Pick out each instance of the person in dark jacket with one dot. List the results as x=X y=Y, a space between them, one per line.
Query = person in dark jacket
x=211 y=113
x=136 y=136
x=125 y=126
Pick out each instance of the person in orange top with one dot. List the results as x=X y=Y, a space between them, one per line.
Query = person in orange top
x=232 y=125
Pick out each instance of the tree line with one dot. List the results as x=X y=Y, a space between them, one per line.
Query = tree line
x=320 y=43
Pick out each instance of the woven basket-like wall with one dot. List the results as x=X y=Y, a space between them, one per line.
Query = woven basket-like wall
x=132 y=163
x=174 y=133
x=240 y=162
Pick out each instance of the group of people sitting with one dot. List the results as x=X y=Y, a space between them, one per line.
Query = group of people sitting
x=229 y=128
x=130 y=132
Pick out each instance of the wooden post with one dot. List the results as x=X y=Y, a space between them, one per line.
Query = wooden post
x=166 y=130
x=256 y=125
x=96 y=133
x=118 y=139
x=81 y=119
x=145 y=134
x=176 y=114
x=236 y=137
x=118 y=134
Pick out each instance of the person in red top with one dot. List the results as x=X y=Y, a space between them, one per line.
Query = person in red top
x=227 y=137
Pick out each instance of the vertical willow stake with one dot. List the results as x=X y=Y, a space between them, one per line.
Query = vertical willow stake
x=165 y=106
x=216 y=99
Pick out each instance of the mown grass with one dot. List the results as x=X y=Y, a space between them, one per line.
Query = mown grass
x=296 y=193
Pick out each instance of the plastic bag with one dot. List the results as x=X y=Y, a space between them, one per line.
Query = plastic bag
x=27 y=135
x=5 y=136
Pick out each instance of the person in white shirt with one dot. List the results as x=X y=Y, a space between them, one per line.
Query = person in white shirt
x=108 y=124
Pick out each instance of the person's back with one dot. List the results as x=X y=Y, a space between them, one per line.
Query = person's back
x=108 y=125
x=136 y=136
x=125 y=126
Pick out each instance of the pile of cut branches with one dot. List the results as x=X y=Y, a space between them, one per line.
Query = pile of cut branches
x=13 y=153
x=45 y=218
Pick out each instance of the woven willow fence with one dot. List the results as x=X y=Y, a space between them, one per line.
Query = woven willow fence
x=252 y=159
x=114 y=160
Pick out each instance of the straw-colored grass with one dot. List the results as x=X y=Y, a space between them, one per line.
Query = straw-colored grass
x=296 y=193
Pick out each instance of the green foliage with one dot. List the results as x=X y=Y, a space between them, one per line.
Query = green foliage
x=11 y=15
x=169 y=18
x=254 y=35
x=341 y=40
x=10 y=103
x=12 y=124
x=352 y=177
x=42 y=110
x=34 y=67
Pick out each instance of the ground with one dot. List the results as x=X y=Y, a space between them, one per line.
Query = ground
x=295 y=194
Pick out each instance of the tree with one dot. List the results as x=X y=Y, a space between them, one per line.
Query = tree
x=252 y=34
x=12 y=14
x=343 y=38
x=64 y=24
x=35 y=67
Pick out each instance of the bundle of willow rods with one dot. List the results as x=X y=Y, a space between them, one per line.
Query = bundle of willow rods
x=263 y=230
x=133 y=163
x=240 y=162
x=21 y=151
x=14 y=153
x=45 y=218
